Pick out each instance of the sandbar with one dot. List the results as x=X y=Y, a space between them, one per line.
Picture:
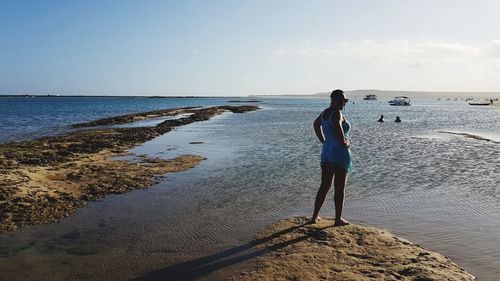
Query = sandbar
x=46 y=179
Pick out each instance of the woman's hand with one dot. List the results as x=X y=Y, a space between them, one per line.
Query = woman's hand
x=346 y=144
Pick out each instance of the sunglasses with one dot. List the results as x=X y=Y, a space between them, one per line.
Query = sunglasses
x=342 y=99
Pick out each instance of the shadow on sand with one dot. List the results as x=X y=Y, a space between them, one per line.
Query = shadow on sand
x=196 y=268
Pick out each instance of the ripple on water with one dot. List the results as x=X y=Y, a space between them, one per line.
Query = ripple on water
x=440 y=191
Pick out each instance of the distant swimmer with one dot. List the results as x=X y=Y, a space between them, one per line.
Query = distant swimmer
x=381 y=119
x=397 y=119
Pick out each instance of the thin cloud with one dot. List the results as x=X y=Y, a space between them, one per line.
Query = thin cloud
x=442 y=65
x=404 y=51
x=496 y=70
x=495 y=48
x=280 y=52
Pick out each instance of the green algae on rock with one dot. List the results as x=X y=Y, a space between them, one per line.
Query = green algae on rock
x=46 y=179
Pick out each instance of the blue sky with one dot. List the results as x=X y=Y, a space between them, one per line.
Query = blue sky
x=247 y=47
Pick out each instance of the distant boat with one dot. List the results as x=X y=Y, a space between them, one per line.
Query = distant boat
x=400 y=101
x=479 y=103
x=490 y=102
x=370 y=97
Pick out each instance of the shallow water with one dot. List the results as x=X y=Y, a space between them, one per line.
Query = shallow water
x=26 y=118
x=435 y=189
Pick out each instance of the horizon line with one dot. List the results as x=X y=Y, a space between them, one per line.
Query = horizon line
x=246 y=95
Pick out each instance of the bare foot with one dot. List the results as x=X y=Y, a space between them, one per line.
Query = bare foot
x=341 y=222
x=314 y=220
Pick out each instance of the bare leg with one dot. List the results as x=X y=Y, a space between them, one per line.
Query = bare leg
x=339 y=184
x=326 y=184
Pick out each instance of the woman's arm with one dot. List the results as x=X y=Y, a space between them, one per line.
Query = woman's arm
x=317 y=129
x=337 y=123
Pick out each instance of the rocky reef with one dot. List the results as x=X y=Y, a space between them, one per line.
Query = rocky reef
x=46 y=179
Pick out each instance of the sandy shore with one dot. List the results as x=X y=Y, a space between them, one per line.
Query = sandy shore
x=297 y=251
x=46 y=179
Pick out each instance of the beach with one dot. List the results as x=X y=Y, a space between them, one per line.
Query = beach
x=44 y=180
x=180 y=140
x=257 y=169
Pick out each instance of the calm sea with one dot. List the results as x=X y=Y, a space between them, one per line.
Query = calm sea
x=436 y=189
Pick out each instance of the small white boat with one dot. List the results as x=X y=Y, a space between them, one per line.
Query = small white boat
x=400 y=101
x=480 y=102
x=370 y=97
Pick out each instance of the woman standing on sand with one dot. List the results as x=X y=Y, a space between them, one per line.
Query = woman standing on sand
x=332 y=130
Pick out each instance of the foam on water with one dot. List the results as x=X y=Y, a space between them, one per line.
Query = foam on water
x=481 y=136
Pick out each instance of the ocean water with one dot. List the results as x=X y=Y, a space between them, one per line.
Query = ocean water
x=25 y=118
x=437 y=189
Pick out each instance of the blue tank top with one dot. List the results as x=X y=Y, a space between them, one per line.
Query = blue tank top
x=333 y=151
x=328 y=131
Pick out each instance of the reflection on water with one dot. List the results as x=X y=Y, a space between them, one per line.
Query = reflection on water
x=149 y=122
x=440 y=192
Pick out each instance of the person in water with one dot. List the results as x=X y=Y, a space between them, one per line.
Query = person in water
x=381 y=119
x=397 y=119
x=332 y=130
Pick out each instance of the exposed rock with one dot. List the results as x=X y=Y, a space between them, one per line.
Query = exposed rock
x=300 y=251
x=44 y=180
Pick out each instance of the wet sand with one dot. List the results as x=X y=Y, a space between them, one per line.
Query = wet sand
x=293 y=250
x=46 y=179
